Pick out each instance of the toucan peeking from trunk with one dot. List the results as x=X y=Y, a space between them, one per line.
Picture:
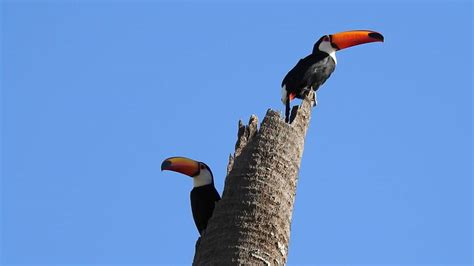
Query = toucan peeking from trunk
x=313 y=70
x=203 y=195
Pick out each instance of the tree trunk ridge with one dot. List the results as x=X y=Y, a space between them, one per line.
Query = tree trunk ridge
x=251 y=223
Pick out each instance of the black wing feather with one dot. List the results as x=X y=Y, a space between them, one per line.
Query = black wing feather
x=311 y=71
x=203 y=201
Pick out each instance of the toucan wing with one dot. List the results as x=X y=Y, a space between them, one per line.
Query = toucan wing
x=296 y=78
x=202 y=204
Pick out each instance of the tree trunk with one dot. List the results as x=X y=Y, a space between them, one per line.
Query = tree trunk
x=251 y=224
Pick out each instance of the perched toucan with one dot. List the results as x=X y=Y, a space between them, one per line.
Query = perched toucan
x=203 y=195
x=313 y=70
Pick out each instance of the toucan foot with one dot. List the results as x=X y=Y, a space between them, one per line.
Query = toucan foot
x=315 y=99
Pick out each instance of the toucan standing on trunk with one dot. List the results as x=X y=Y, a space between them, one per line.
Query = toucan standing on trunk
x=313 y=70
x=204 y=195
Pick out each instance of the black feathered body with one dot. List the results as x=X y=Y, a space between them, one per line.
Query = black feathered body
x=203 y=201
x=310 y=72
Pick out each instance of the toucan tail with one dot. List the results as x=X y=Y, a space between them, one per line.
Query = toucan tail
x=287 y=109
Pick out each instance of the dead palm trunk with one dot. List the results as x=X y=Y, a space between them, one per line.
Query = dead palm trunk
x=251 y=224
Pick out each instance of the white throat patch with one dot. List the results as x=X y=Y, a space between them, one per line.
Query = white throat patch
x=327 y=48
x=204 y=178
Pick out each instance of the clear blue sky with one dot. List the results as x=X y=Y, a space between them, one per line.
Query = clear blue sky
x=96 y=95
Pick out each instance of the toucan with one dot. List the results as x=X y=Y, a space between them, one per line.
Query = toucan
x=313 y=70
x=203 y=195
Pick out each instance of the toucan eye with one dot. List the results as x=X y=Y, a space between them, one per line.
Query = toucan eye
x=326 y=38
x=202 y=166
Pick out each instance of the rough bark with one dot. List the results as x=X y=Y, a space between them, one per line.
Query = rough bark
x=251 y=224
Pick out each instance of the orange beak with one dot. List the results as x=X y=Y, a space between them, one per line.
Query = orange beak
x=347 y=39
x=181 y=165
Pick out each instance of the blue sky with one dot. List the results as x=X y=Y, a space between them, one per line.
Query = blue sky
x=96 y=95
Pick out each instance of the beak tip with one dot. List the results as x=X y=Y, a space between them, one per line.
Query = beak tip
x=375 y=35
x=165 y=165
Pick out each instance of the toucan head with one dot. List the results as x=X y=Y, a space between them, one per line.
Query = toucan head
x=199 y=171
x=338 y=41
